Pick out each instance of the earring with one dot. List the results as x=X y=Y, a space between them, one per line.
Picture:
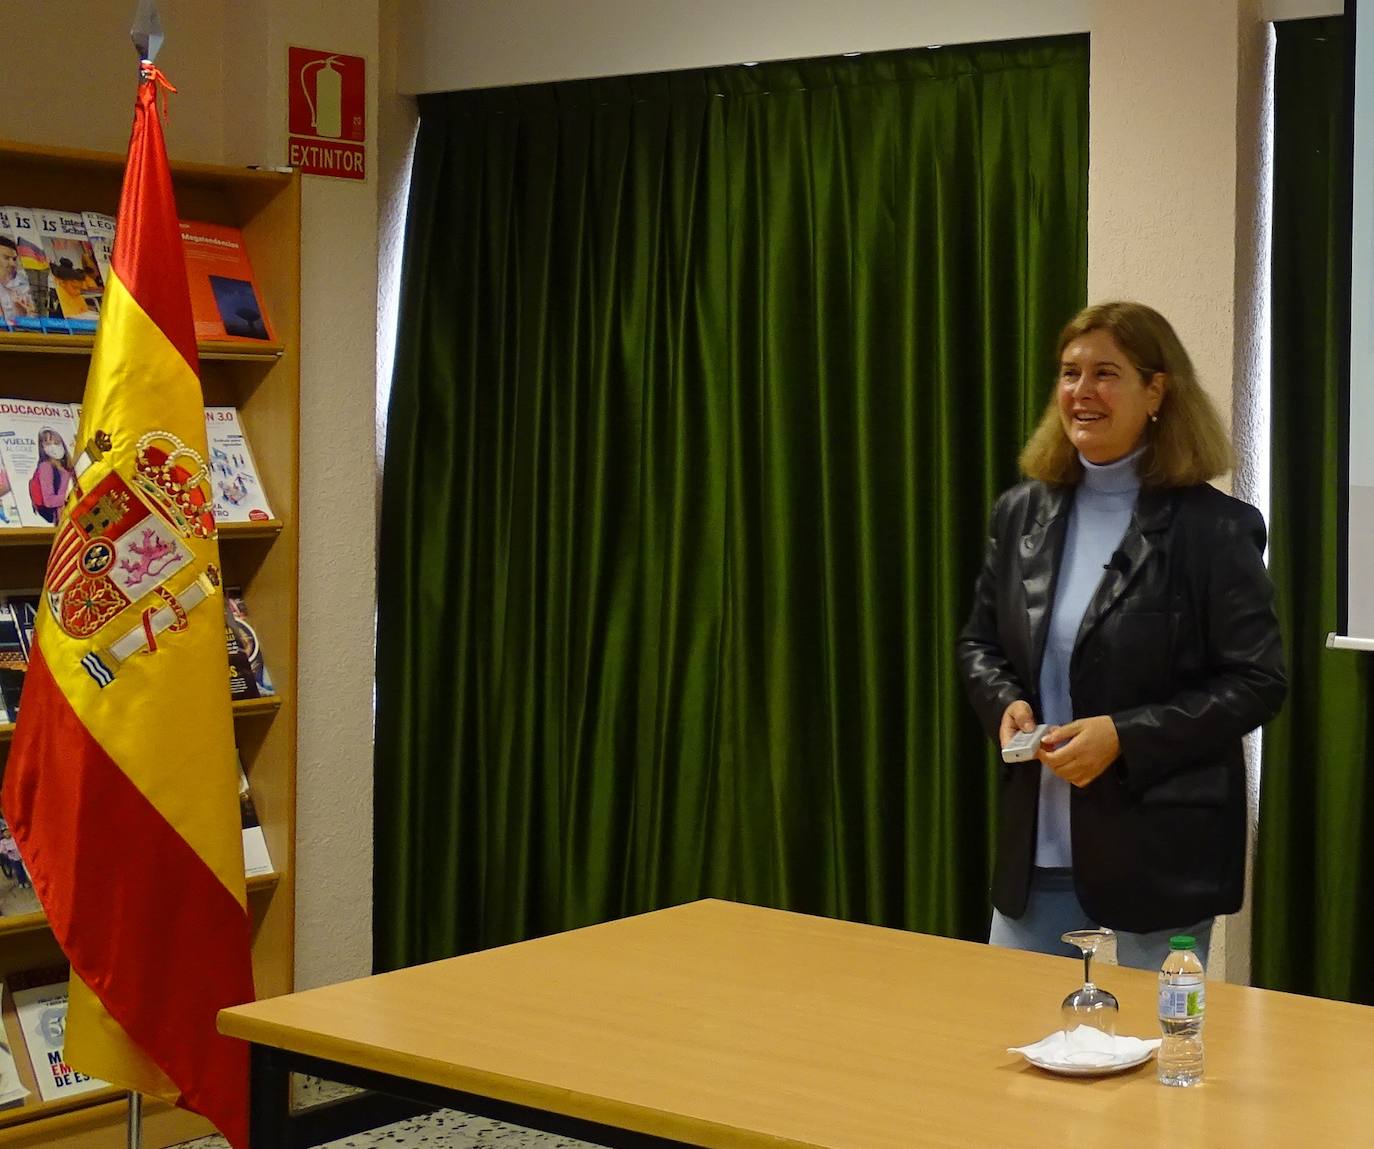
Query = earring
x=1154 y=416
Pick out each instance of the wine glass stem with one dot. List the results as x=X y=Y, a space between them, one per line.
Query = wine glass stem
x=1087 y=967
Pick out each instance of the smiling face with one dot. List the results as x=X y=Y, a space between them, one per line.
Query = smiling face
x=1104 y=402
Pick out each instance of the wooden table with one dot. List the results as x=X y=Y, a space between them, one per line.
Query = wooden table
x=719 y=1024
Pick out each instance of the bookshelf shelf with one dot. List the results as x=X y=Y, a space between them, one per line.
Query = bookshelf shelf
x=39 y=344
x=43 y=536
x=260 y=559
x=37 y=922
x=244 y=706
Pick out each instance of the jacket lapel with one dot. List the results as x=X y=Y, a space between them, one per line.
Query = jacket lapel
x=1154 y=510
x=1041 y=549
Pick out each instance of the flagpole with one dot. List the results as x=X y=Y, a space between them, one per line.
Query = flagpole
x=135 y=1120
x=146 y=34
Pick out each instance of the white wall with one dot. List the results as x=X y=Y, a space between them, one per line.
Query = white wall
x=72 y=83
x=447 y=46
x=337 y=475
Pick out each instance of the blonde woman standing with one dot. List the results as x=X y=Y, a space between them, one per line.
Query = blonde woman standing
x=1125 y=602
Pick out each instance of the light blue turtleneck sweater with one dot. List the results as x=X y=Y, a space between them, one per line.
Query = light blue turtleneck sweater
x=1101 y=512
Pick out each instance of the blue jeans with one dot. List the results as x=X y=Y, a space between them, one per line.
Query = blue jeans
x=1053 y=910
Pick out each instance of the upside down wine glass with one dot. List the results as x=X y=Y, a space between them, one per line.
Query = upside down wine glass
x=1089 y=1004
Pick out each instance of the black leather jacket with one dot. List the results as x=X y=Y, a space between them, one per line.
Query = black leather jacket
x=1180 y=646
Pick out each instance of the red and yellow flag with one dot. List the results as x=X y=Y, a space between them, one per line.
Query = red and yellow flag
x=122 y=784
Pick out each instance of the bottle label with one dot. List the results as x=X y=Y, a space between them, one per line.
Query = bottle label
x=1182 y=1002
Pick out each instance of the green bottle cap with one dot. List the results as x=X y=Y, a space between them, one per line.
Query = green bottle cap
x=1182 y=942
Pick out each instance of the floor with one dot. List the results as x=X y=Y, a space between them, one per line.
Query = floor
x=445 y=1129
x=442 y=1130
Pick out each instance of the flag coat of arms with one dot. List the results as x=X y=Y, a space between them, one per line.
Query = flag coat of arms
x=121 y=787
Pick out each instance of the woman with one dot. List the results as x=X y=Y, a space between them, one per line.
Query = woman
x=1125 y=602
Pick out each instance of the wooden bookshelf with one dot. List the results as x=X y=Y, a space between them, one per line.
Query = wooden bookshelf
x=262 y=381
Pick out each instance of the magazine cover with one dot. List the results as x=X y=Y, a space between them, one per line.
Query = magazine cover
x=255 y=857
x=12 y=1088
x=16 y=891
x=248 y=676
x=16 y=299
x=33 y=262
x=239 y=497
x=72 y=270
x=42 y=1014
x=14 y=662
x=100 y=230
x=9 y=500
x=225 y=300
x=37 y=448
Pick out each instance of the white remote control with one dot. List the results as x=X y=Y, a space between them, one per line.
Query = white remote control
x=1024 y=744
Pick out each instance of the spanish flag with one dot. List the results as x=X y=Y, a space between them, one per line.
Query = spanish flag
x=121 y=788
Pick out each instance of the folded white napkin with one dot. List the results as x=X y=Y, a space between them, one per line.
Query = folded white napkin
x=1086 y=1046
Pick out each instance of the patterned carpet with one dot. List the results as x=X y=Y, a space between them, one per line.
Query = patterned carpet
x=442 y=1130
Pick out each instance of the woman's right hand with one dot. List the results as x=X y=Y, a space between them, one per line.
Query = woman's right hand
x=1016 y=718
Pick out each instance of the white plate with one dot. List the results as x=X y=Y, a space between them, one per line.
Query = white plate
x=1090 y=1069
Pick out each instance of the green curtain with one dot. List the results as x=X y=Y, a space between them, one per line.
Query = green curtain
x=1314 y=865
x=706 y=382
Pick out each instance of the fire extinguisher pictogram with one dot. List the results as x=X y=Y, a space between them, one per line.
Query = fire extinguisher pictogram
x=326 y=107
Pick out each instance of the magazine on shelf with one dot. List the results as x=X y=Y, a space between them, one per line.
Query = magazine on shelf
x=72 y=270
x=256 y=859
x=16 y=297
x=24 y=226
x=248 y=674
x=238 y=493
x=37 y=449
x=100 y=229
x=14 y=663
x=225 y=300
x=12 y=1087
x=16 y=890
x=9 y=499
x=42 y=1012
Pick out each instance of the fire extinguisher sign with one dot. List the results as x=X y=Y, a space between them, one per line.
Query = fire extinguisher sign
x=328 y=96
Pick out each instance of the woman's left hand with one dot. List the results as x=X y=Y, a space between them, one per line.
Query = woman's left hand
x=1080 y=750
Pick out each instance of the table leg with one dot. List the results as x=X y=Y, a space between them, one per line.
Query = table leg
x=269 y=1107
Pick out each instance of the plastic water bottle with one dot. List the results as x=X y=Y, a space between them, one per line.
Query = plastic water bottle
x=1182 y=1008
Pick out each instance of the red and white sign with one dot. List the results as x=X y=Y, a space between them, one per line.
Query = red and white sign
x=328 y=97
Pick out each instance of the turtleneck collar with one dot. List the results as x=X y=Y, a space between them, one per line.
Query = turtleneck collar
x=1118 y=478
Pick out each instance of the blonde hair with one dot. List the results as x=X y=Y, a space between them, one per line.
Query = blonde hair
x=1188 y=445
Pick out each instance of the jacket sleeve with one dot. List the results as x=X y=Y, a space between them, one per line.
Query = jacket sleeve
x=989 y=677
x=1245 y=682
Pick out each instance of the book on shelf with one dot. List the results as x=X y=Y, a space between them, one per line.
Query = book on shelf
x=256 y=859
x=41 y=1006
x=225 y=300
x=37 y=448
x=248 y=674
x=238 y=493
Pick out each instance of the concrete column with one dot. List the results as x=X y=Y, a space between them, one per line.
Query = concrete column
x=1176 y=105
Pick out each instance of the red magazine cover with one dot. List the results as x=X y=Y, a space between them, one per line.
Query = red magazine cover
x=225 y=299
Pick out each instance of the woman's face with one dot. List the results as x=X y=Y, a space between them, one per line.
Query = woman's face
x=52 y=445
x=1104 y=404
